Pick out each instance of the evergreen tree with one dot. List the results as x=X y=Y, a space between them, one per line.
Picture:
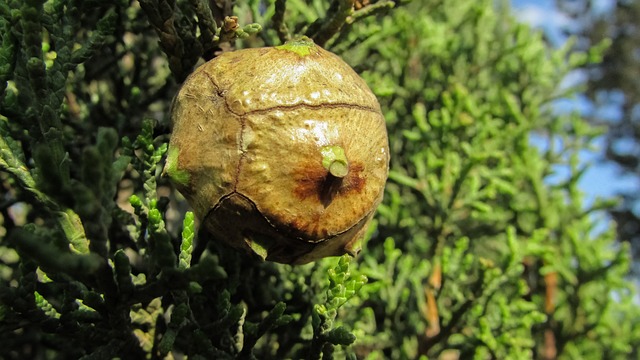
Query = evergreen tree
x=472 y=253
x=614 y=89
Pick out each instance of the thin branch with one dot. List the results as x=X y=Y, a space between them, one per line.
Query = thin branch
x=370 y=10
x=278 y=21
x=322 y=31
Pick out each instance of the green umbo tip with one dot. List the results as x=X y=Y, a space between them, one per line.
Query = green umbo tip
x=301 y=45
x=335 y=161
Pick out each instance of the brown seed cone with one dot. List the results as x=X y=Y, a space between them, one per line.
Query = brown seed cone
x=251 y=133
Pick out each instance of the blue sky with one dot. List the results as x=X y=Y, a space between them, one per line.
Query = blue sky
x=603 y=179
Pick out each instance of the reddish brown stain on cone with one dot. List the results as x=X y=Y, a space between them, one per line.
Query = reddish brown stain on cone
x=317 y=182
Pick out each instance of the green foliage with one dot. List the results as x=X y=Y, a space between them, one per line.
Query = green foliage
x=612 y=84
x=475 y=253
x=341 y=288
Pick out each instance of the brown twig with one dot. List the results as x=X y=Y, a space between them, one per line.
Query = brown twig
x=278 y=21
x=323 y=30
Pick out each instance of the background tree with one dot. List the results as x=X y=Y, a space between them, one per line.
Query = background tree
x=614 y=89
x=472 y=254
